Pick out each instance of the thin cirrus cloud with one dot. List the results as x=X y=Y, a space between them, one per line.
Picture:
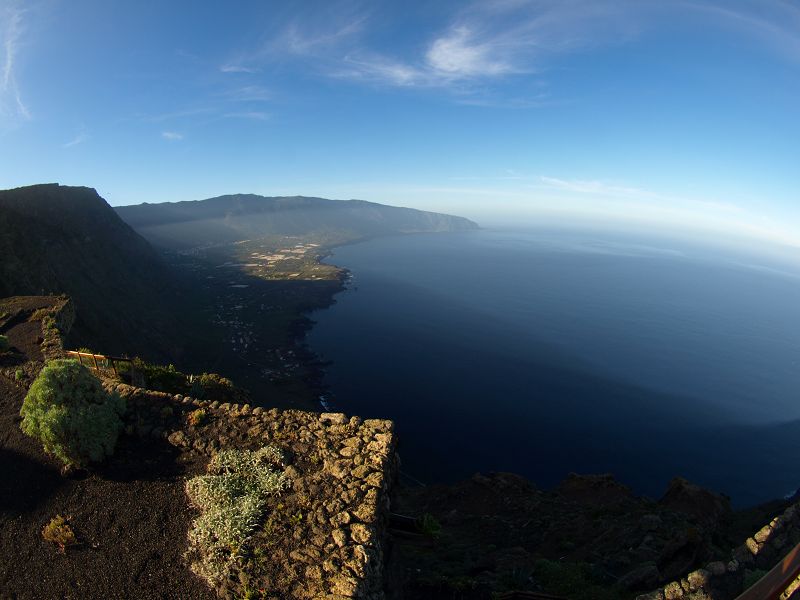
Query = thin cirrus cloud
x=594 y=187
x=12 y=107
x=484 y=43
x=460 y=55
x=481 y=42
x=776 y=25
x=253 y=115
x=602 y=189
x=178 y=114
x=172 y=136
x=247 y=93
x=598 y=200
x=231 y=68
x=77 y=140
x=633 y=203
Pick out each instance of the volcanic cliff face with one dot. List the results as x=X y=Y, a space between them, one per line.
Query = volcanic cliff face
x=58 y=239
x=236 y=217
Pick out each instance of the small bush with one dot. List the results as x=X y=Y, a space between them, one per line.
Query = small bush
x=220 y=388
x=71 y=414
x=752 y=577
x=39 y=314
x=19 y=374
x=428 y=525
x=574 y=580
x=197 y=417
x=4 y=344
x=49 y=324
x=232 y=498
x=59 y=532
x=159 y=377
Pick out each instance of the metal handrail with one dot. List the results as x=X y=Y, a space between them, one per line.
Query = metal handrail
x=112 y=360
x=777 y=580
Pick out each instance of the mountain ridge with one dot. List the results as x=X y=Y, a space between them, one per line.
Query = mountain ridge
x=233 y=217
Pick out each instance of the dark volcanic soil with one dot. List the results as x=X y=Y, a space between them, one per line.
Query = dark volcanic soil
x=130 y=516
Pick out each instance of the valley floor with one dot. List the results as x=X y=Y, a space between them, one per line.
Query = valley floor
x=249 y=313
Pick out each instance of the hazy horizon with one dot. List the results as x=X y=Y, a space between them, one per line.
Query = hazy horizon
x=679 y=116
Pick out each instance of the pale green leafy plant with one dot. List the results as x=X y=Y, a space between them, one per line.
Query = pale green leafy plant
x=232 y=498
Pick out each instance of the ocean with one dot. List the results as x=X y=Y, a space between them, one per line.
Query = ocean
x=547 y=352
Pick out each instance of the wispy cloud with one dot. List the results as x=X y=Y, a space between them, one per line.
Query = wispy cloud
x=376 y=68
x=773 y=23
x=479 y=45
x=78 y=139
x=306 y=38
x=172 y=136
x=252 y=114
x=483 y=45
x=247 y=93
x=12 y=107
x=231 y=68
x=177 y=114
x=595 y=187
x=616 y=191
x=554 y=200
x=459 y=54
x=488 y=42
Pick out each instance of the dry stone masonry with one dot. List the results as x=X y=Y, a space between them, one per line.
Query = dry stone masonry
x=321 y=539
x=726 y=580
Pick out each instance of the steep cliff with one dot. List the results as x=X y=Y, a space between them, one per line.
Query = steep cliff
x=67 y=240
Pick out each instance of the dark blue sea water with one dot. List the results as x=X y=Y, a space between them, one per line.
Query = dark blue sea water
x=547 y=352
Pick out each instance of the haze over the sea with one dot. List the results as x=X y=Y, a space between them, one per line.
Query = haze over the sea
x=650 y=115
x=543 y=352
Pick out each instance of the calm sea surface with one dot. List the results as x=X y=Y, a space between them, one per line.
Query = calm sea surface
x=549 y=352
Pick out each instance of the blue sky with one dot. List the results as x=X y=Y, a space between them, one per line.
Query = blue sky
x=675 y=114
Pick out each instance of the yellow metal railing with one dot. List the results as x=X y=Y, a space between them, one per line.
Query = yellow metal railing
x=777 y=581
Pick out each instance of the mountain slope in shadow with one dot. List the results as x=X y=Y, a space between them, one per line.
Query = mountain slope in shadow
x=67 y=240
x=225 y=219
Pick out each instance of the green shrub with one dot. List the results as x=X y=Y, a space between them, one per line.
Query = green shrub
x=428 y=525
x=39 y=314
x=217 y=387
x=576 y=580
x=60 y=533
x=48 y=324
x=19 y=374
x=232 y=498
x=197 y=417
x=752 y=577
x=71 y=414
x=162 y=378
x=4 y=345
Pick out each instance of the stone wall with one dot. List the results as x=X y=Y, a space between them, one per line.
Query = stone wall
x=63 y=314
x=341 y=471
x=726 y=580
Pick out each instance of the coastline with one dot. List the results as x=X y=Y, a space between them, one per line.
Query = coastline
x=313 y=364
